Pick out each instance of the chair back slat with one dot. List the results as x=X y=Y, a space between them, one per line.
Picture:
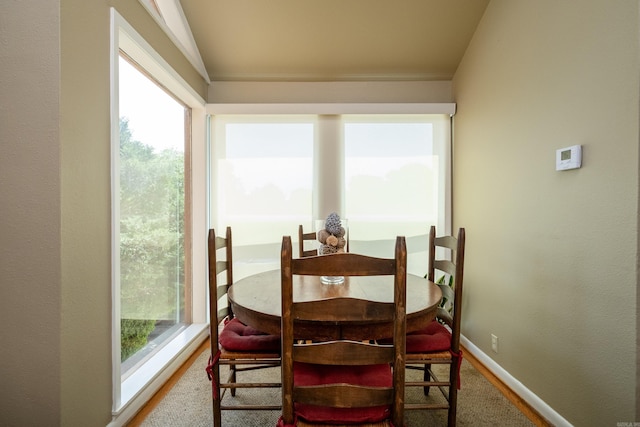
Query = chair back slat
x=445 y=266
x=221 y=266
x=221 y=242
x=448 y=242
x=343 y=309
x=343 y=353
x=343 y=264
x=343 y=396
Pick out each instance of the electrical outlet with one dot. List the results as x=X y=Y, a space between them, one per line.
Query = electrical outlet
x=494 y=343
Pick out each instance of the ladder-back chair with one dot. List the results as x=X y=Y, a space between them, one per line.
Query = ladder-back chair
x=343 y=381
x=234 y=344
x=439 y=342
x=305 y=237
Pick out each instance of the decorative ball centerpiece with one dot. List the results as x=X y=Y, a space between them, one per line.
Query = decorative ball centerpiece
x=332 y=237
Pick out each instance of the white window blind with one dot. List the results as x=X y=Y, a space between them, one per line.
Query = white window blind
x=388 y=174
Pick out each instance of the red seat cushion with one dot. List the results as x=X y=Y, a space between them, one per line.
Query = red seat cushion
x=374 y=375
x=435 y=337
x=236 y=336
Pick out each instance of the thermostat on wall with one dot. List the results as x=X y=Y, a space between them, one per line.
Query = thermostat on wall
x=569 y=158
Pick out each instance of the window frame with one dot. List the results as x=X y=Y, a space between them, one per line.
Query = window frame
x=130 y=394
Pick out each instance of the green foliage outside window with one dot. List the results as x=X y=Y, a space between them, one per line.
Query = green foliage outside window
x=133 y=335
x=151 y=238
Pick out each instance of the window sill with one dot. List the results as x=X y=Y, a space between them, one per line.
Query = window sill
x=141 y=385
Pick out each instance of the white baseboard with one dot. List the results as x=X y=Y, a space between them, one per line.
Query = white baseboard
x=518 y=388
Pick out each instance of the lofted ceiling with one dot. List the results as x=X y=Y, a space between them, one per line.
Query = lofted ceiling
x=332 y=40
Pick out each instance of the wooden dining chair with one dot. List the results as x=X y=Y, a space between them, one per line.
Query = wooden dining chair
x=234 y=344
x=343 y=381
x=439 y=342
x=305 y=237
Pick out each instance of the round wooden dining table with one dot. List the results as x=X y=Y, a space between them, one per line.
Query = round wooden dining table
x=256 y=301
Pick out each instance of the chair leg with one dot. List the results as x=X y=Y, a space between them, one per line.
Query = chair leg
x=427 y=377
x=453 y=393
x=232 y=378
x=453 y=403
x=216 y=397
x=217 y=414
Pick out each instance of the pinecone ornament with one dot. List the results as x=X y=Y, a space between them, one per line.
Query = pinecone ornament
x=332 y=237
x=332 y=224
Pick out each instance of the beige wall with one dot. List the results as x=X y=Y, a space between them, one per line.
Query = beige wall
x=551 y=256
x=30 y=238
x=55 y=190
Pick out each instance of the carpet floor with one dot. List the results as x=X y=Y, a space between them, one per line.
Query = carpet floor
x=188 y=403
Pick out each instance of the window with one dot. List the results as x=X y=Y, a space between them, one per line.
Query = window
x=386 y=173
x=157 y=160
x=264 y=179
x=152 y=214
x=395 y=182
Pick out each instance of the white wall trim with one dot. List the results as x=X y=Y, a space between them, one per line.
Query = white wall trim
x=143 y=53
x=527 y=395
x=333 y=108
x=175 y=25
x=116 y=21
